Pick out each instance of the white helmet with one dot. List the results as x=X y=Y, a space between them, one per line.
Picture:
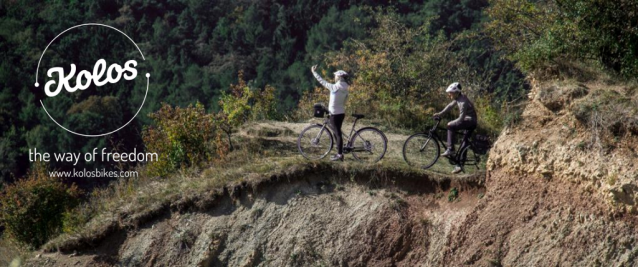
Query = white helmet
x=341 y=73
x=453 y=88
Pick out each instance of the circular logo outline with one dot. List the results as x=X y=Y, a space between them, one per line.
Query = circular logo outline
x=148 y=75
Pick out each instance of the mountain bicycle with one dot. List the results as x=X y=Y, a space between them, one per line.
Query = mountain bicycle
x=367 y=144
x=423 y=150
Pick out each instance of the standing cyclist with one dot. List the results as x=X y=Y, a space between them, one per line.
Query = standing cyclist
x=338 y=96
x=467 y=119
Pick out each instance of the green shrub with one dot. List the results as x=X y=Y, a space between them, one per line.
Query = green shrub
x=245 y=103
x=75 y=219
x=541 y=34
x=33 y=208
x=265 y=106
x=182 y=137
x=490 y=120
x=453 y=195
x=512 y=113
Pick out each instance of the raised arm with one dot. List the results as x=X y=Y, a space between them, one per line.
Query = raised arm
x=323 y=82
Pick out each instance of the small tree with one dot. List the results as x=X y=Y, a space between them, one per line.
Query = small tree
x=244 y=103
x=265 y=107
x=182 y=137
x=235 y=107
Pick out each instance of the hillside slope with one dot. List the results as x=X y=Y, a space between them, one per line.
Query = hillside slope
x=559 y=191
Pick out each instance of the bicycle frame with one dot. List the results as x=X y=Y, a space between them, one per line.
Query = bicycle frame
x=348 y=145
x=432 y=133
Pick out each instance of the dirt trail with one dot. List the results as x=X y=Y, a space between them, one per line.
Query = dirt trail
x=283 y=137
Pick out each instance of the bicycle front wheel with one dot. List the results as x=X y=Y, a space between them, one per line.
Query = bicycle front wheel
x=369 y=145
x=421 y=150
x=315 y=142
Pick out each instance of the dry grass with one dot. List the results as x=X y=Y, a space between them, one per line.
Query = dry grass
x=609 y=112
x=11 y=254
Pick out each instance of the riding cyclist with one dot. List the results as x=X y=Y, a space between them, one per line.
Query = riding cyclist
x=338 y=96
x=467 y=119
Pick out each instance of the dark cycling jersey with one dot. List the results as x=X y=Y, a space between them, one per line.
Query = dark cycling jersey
x=466 y=108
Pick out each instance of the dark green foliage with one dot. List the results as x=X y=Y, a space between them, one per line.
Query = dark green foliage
x=545 y=35
x=454 y=16
x=194 y=50
x=9 y=152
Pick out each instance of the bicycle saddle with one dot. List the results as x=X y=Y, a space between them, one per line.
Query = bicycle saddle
x=358 y=116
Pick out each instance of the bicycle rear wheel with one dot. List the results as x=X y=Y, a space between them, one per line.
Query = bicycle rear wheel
x=369 y=145
x=421 y=150
x=315 y=142
x=470 y=161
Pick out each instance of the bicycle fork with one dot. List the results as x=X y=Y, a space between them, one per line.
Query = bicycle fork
x=425 y=144
x=315 y=141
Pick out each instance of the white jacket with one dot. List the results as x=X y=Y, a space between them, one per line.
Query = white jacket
x=338 y=94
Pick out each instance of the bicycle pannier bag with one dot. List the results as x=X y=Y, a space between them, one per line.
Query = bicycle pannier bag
x=320 y=111
x=481 y=144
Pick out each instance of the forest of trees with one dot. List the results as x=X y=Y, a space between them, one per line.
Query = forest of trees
x=196 y=48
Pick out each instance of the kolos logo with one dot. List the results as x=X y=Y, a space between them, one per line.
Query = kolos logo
x=100 y=94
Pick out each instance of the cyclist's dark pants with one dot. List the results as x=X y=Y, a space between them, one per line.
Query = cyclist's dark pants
x=463 y=125
x=336 y=121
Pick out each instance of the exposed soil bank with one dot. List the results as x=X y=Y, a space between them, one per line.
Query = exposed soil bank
x=531 y=221
x=318 y=218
